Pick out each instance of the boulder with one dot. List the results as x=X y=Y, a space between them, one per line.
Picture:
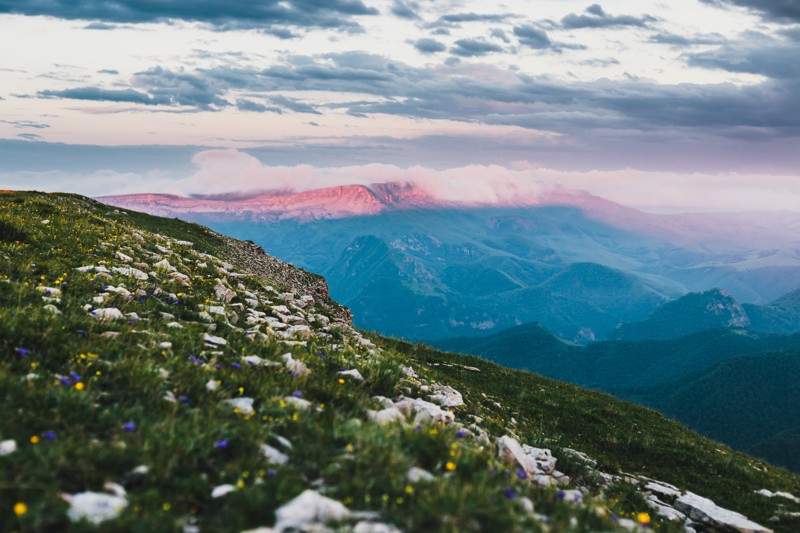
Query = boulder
x=706 y=512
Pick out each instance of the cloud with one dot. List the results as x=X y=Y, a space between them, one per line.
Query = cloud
x=775 y=59
x=222 y=14
x=294 y=105
x=108 y=71
x=458 y=18
x=249 y=105
x=474 y=47
x=776 y=10
x=406 y=10
x=595 y=17
x=220 y=172
x=29 y=136
x=681 y=40
x=532 y=37
x=429 y=46
x=105 y=95
x=25 y=124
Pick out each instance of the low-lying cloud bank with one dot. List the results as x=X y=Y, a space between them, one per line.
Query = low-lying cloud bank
x=221 y=172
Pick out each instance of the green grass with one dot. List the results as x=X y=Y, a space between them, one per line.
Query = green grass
x=335 y=449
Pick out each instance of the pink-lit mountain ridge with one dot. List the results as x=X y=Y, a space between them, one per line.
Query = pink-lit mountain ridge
x=415 y=266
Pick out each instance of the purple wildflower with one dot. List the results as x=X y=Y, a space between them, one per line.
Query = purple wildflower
x=522 y=474
x=461 y=433
x=22 y=352
x=297 y=394
x=510 y=493
x=237 y=366
x=65 y=381
x=49 y=435
x=75 y=376
x=130 y=427
x=221 y=444
x=270 y=473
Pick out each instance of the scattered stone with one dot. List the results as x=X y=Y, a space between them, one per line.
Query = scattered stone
x=786 y=495
x=385 y=416
x=49 y=291
x=408 y=372
x=416 y=474
x=95 y=507
x=297 y=403
x=7 y=447
x=665 y=490
x=298 y=368
x=667 y=511
x=354 y=373
x=107 y=313
x=706 y=512
x=52 y=309
x=222 y=490
x=307 y=509
x=243 y=404
x=374 y=527
x=273 y=455
x=213 y=339
x=212 y=385
x=445 y=396
x=163 y=265
x=300 y=331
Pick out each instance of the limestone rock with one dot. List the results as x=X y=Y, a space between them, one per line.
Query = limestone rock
x=310 y=507
x=445 y=396
x=243 y=404
x=95 y=507
x=706 y=512
x=273 y=455
x=107 y=313
x=385 y=416
x=7 y=447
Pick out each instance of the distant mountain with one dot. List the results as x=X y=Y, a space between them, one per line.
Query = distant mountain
x=779 y=316
x=729 y=384
x=415 y=266
x=688 y=314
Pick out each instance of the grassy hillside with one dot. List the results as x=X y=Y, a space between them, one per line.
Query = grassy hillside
x=147 y=357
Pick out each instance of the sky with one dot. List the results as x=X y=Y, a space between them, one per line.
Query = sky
x=663 y=105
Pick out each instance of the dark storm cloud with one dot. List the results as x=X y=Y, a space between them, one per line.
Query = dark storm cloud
x=406 y=10
x=532 y=37
x=596 y=17
x=429 y=46
x=227 y=14
x=181 y=88
x=474 y=47
x=777 y=10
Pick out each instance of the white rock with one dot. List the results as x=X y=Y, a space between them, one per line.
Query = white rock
x=385 y=416
x=511 y=451
x=255 y=360
x=430 y=413
x=87 y=268
x=416 y=474
x=107 y=313
x=131 y=272
x=300 y=331
x=705 y=511
x=273 y=455
x=52 y=309
x=662 y=489
x=309 y=508
x=223 y=293
x=50 y=291
x=408 y=372
x=667 y=511
x=297 y=367
x=354 y=373
x=770 y=494
x=297 y=403
x=163 y=265
x=213 y=339
x=174 y=325
x=96 y=507
x=374 y=527
x=212 y=385
x=141 y=470
x=445 y=396
x=243 y=404
x=115 y=488
x=221 y=490
x=7 y=447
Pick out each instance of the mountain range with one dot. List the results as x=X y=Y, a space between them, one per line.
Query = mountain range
x=414 y=266
x=731 y=384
